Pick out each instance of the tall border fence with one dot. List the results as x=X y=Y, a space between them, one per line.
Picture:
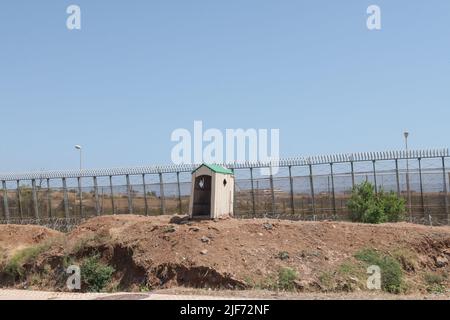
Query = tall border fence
x=303 y=188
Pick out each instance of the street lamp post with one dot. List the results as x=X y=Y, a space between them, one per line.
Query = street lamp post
x=408 y=191
x=78 y=147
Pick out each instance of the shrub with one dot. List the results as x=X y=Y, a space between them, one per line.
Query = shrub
x=95 y=274
x=394 y=207
x=391 y=270
x=366 y=206
x=435 y=283
x=283 y=255
x=286 y=278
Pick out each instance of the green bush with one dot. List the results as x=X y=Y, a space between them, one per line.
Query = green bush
x=367 y=206
x=286 y=278
x=391 y=270
x=394 y=207
x=95 y=274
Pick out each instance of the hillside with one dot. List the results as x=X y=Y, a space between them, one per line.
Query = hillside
x=164 y=252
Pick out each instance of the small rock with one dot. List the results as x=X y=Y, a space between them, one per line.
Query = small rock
x=268 y=226
x=441 y=261
x=204 y=252
x=353 y=279
x=169 y=229
x=195 y=229
x=300 y=284
x=260 y=234
x=205 y=239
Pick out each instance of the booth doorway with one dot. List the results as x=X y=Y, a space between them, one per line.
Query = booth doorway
x=202 y=196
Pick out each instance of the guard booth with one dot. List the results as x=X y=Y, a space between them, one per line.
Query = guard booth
x=212 y=194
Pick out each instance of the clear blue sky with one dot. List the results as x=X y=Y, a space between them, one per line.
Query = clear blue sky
x=140 y=69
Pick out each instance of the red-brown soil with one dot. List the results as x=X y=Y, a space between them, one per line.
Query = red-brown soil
x=14 y=237
x=168 y=251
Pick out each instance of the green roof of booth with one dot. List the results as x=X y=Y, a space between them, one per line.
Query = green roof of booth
x=215 y=168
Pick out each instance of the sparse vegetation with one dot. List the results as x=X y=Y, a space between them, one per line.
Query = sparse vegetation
x=348 y=268
x=286 y=278
x=283 y=255
x=407 y=258
x=435 y=282
x=95 y=274
x=15 y=265
x=391 y=270
x=3 y=257
x=285 y=281
x=89 y=241
x=326 y=279
x=367 y=206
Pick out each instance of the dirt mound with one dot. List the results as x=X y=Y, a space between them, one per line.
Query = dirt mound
x=13 y=237
x=162 y=252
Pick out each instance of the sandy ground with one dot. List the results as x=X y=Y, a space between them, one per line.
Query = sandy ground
x=192 y=294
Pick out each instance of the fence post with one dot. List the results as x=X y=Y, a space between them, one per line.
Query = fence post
x=49 y=199
x=161 y=193
x=111 y=188
x=19 y=199
x=375 y=176
x=397 y=176
x=353 y=174
x=145 y=194
x=272 y=191
x=421 y=187
x=35 y=200
x=97 y=202
x=80 y=197
x=291 y=183
x=180 y=203
x=235 y=207
x=311 y=184
x=130 y=200
x=5 y=202
x=408 y=189
x=333 y=190
x=253 y=192
x=445 y=191
x=66 y=198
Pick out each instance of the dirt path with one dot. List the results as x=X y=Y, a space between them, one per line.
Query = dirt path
x=189 y=294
